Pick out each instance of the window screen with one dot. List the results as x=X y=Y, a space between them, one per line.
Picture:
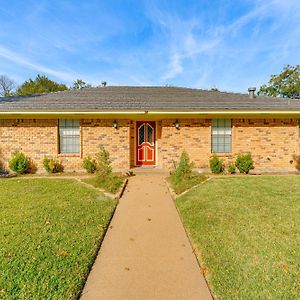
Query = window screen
x=221 y=136
x=69 y=136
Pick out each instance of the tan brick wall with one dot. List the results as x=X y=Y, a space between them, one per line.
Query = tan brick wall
x=39 y=138
x=273 y=143
x=192 y=136
x=97 y=133
x=36 y=138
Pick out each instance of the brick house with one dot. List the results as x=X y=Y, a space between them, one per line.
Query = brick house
x=150 y=126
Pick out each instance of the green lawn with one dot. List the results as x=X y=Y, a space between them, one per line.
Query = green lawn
x=247 y=234
x=182 y=184
x=50 y=230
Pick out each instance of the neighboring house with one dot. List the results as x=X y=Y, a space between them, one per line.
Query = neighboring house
x=151 y=126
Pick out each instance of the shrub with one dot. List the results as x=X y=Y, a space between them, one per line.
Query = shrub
x=32 y=167
x=216 y=165
x=19 y=162
x=183 y=178
x=52 y=165
x=105 y=178
x=89 y=165
x=185 y=167
x=231 y=168
x=244 y=163
x=103 y=163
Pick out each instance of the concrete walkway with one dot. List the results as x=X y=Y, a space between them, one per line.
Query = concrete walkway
x=146 y=253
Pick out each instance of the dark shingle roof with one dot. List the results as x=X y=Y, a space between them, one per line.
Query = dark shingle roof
x=123 y=98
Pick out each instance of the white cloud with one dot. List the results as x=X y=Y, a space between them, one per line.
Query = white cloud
x=21 y=60
x=174 y=68
x=182 y=41
x=198 y=50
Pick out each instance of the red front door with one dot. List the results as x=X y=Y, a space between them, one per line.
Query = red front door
x=145 y=143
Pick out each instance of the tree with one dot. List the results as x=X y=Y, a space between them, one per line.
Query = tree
x=79 y=84
x=7 y=86
x=214 y=89
x=41 y=84
x=286 y=84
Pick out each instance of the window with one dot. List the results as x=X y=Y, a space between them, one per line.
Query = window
x=146 y=134
x=221 y=136
x=142 y=134
x=69 y=136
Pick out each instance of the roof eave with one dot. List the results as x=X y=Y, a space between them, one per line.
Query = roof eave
x=142 y=114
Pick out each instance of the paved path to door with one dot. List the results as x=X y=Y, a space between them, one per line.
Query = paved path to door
x=146 y=253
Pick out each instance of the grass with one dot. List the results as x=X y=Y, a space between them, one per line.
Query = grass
x=179 y=186
x=111 y=183
x=50 y=231
x=246 y=231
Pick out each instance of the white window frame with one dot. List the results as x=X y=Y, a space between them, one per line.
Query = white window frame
x=69 y=136
x=221 y=136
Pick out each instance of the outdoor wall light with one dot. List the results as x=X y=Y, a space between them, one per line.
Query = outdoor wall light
x=176 y=124
x=115 y=124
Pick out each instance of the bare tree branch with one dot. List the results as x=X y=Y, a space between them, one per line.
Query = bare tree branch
x=7 y=86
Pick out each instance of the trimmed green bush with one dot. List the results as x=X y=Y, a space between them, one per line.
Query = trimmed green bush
x=52 y=165
x=19 y=162
x=103 y=163
x=216 y=165
x=89 y=165
x=185 y=167
x=231 y=168
x=183 y=178
x=244 y=163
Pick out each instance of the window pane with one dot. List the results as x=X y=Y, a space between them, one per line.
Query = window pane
x=214 y=123
x=228 y=123
x=214 y=140
x=221 y=130
x=150 y=134
x=214 y=130
x=227 y=148
x=215 y=148
x=227 y=131
x=142 y=134
x=228 y=139
x=69 y=136
x=221 y=140
x=69 y=144
x=221 y=148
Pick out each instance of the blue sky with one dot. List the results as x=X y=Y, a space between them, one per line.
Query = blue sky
x=226 y=44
